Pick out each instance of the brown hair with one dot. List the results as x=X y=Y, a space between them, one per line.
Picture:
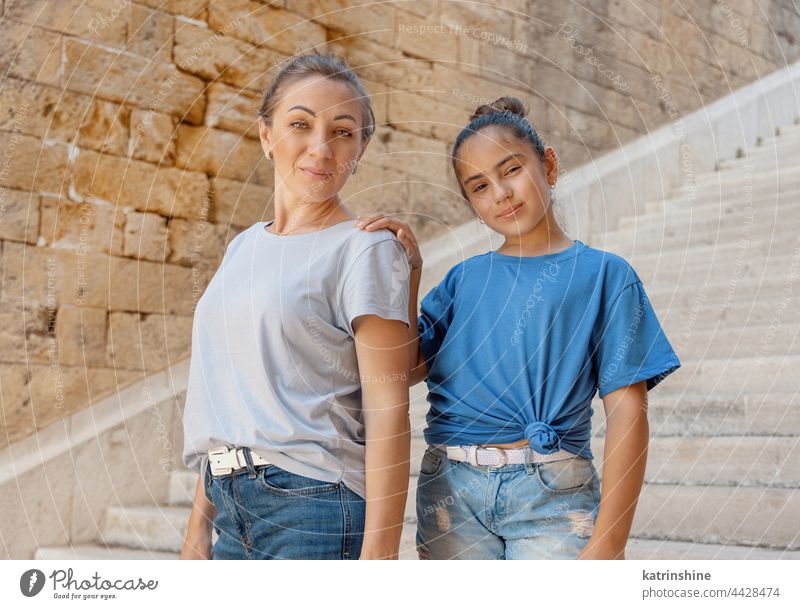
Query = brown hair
x=317 y=64
x=508 y=112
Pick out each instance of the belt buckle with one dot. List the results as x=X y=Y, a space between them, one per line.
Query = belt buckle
x=217 y=470
x=502 y=452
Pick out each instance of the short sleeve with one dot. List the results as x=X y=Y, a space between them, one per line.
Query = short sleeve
x=630 y=345
x=376 y=284
x=435 y=315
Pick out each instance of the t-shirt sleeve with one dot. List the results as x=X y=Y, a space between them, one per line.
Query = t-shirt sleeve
x=435 y=314
x=376 y=284
x=630 y=345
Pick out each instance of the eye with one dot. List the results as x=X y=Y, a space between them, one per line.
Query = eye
x=297 y=124
x=478 y=188
x=344 y=133
x=513 y=169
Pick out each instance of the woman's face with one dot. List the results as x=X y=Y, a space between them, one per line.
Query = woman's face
x=315 y=137
x=505 y=180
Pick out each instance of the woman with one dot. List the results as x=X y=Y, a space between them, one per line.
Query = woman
x=296 y=410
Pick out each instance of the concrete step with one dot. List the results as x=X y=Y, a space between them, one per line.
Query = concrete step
x=731 y=342
x=659 y=549
x=98 y=552
x=734 y=180
x=783 y=151
x=715 y=415
x=716 y=269
x=681 y=324
x=753 y=461
x=733 y=292
x=733 y=376
x=782 y=235
x=182 y=484
x=682 y=204
x=153 y=528
x=746 y=516
x=714 y=214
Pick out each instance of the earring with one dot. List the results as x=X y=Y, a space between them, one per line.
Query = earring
x=269 y=154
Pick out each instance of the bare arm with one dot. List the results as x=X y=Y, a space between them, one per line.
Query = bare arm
x=624 y=463
x=197 y=545
x=383 y=366
x=403 y=232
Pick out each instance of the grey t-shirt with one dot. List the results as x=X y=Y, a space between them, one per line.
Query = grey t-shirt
x=273 y=362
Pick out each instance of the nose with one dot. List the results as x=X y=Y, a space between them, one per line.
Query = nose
x=502 y=192
x=320 y=146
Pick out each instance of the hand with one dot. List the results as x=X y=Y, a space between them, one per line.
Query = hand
x=196 y=546
x=602 y=550
x=401 y=230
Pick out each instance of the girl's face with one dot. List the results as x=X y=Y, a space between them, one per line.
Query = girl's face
x=505 y=180
x=315 y=137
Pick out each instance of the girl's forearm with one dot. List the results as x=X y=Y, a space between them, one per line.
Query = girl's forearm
x=624 y=464
x=417 y=364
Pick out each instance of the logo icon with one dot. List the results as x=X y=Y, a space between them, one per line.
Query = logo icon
x=31 y=582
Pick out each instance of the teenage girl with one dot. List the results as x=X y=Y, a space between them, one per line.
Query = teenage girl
x=515 y=343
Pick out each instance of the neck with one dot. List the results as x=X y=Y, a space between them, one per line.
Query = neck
x=544 y=238
x=292 y=211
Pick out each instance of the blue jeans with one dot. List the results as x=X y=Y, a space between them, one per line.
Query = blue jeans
x=269 y=513
x=517 y=511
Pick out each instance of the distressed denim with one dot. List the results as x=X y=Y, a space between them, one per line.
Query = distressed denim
x=269 y=513
x=517 y=511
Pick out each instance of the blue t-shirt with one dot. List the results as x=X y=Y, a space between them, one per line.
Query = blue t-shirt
x=517 y=347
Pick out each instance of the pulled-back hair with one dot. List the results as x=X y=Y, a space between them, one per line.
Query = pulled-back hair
x=317 y=64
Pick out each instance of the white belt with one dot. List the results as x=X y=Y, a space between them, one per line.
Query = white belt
x=497 y=457
x=224 y=460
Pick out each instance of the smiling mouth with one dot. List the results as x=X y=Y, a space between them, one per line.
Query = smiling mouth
x=315 y=173
x=510 y=213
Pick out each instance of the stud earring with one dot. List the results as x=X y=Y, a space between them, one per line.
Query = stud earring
x=269 y=154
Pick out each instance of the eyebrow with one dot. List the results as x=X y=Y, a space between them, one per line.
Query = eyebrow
x=500 y=164
x=312 y=113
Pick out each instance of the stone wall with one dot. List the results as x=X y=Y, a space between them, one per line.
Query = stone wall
x=130 y=155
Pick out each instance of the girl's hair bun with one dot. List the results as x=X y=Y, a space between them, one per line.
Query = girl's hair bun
x=503 y=104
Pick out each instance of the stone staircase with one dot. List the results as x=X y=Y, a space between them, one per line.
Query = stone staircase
x=723 y=473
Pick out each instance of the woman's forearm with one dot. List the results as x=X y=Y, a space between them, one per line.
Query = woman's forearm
x=387 y=474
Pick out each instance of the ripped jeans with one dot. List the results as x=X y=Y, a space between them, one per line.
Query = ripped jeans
x=516 y=511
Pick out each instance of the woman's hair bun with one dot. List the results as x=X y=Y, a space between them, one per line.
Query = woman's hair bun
x=503 y=104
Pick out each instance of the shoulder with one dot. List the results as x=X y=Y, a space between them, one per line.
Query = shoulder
x=614 y=271
x=237 y=240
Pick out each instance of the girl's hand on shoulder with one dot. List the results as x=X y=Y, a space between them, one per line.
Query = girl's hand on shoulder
x=401 y=230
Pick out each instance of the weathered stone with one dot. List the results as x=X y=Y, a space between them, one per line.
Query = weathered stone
x=99 y=20
x=150 y=33
x=260 y=24
x=418 y=37
x=81 y=335
x=213 y=56
x=146 y=236
x=375 y=188
x=423 y=116
x=121 y=77
x=41 y=110
x=19 y=215
x=29 y=52
x=147 y=342
x=164 y=190
x=189 y=8
x=105 y=128
x=31 y=164
x=424 y=158
x=370 y=20
x=151 y=137
x=198 y=243
x=27 y=333
x=238 y=203
x=82 y=227
x=232 y=109
x=224 y=154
